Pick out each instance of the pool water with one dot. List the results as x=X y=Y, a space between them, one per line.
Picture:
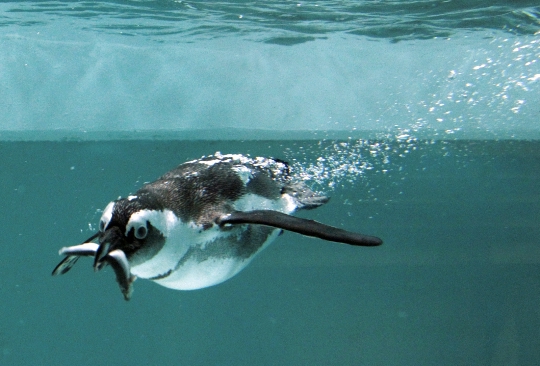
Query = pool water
x=456 y=281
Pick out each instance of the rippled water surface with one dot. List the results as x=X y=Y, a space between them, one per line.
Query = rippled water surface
x=284 y=22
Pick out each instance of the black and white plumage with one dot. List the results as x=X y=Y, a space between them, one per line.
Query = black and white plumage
x=203 y=222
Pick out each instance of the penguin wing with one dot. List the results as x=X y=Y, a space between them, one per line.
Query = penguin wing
x=298 y=225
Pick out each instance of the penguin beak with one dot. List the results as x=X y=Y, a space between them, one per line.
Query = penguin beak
x=116 y=258
x=109 y=241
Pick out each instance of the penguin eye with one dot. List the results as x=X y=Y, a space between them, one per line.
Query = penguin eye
x=141 y=232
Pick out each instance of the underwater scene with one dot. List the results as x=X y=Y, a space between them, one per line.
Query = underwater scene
x=420 y=120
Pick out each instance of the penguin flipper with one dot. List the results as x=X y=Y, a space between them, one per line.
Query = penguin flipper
x=298 y=225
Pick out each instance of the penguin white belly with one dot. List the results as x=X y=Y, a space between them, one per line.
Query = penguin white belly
x=181 y=238
x=193 y=274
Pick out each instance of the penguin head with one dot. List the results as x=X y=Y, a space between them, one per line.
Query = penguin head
x=131 y=225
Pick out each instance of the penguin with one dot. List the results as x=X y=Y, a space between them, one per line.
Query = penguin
x=201 y=223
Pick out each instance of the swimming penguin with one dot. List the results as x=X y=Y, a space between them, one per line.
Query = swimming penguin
x=202 y=223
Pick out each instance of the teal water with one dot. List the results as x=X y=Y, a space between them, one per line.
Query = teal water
x=418 y=118
x=455 y=282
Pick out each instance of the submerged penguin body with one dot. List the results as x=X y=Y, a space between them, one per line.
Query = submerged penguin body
x=202 y=223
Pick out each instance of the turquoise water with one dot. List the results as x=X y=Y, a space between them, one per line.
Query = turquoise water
x=456 y=281
x=418 y=118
